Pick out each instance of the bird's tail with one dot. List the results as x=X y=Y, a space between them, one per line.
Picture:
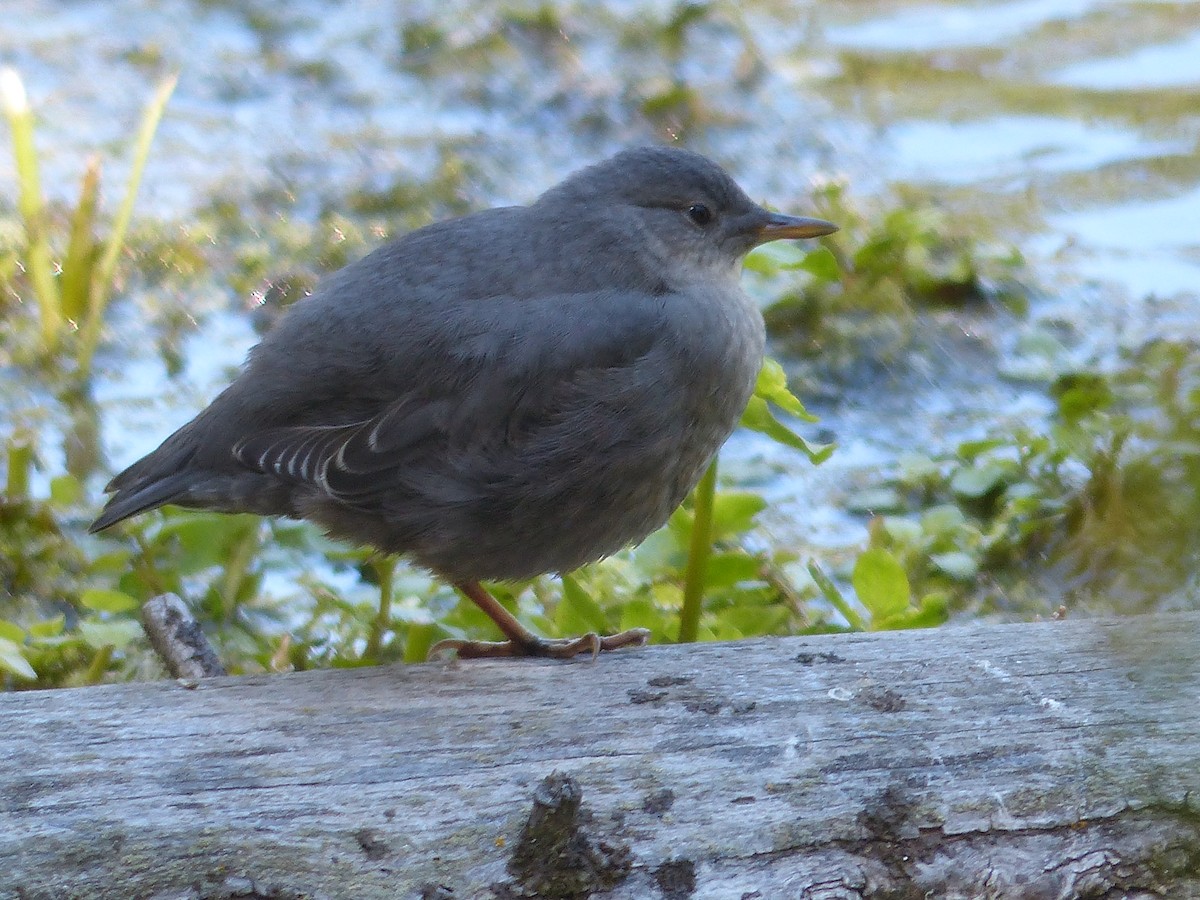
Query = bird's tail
x=140 y=497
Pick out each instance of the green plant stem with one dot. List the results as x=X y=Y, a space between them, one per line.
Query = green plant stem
x=236 y=569
x=101 y=285
x=699 y=552
x=142 y=562
x=39 y=265
x=77 y=263
x=20 y=461
x=385 y=568
x=835 y=598
x=99 y=665
x=777 y=579
x=81 y=439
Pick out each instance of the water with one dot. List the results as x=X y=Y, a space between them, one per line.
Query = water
x=318 y=102
x=1001 y=151
x=1074 y=124
x=1171 y=65
x=919 y=27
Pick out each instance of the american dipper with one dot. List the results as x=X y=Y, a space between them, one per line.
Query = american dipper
x=514 y=392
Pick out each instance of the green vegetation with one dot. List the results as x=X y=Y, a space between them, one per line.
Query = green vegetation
x=1102 y=500
x=884 y=266
x=1099 y=510
x=68 y=612
x=74 y=297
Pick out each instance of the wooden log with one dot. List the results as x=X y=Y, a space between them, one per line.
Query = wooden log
x=1057 y=759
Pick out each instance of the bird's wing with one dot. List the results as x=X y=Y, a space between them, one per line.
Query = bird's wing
x=343 y=460
x=502 y=395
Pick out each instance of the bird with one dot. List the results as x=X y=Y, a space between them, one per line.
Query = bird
x=515 y=392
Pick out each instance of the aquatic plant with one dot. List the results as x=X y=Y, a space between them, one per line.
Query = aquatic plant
x=72 y=294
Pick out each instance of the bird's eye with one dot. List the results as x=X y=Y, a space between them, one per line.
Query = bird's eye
x=699 y=213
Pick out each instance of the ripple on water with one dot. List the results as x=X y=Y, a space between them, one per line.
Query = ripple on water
x=1013 y=146
x=1161 y=66
x=938 y=27
x=1148 y=245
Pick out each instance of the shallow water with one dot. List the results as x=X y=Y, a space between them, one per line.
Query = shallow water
x=1073 y=124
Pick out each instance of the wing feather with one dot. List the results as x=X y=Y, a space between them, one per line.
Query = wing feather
x=490 y=400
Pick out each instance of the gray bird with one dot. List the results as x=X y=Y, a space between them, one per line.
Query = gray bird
x=514 y=392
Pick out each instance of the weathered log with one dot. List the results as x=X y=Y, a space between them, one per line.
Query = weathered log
x=1058 y=759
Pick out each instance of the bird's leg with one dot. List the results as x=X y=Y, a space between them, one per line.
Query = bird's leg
x=523 y=642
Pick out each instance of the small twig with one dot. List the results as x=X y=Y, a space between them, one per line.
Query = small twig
x=178 y=640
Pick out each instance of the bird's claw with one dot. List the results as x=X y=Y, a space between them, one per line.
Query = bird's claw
x=552 y=648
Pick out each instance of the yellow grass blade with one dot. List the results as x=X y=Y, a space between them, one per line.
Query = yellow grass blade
x=39 y=264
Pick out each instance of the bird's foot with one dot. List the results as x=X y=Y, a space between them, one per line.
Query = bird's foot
x=552 y=648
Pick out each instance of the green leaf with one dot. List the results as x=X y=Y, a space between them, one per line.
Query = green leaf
x=1081 y=393
x=679 y=527
x=821 y=264
x=768 y=260
x=758 y=417
x=65 y=490
x=48 y=628
x=902 y=531
x=116 y=633
x=420 y=637
x=932 y=611
x=727 y=569
x=666 y=595
x=734 y=512
x=917 y=467
x=737 y=622
x=972 y=449
x=1022 y=490
x=700 y=547
x=881 y=583
x=13 y=660
x=20 y=464
x=11 y=631
x=978 y=481
x=577 y=612
x=772 y=386
x=205 y=539
x=640 y=613
x=107 y=601
x=76 y=279
x=944 y=519
x=956 y=564
x=294 y=536
x=659 y=554
x=114 y=563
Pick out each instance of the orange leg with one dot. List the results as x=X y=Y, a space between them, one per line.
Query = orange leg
x=523 y=642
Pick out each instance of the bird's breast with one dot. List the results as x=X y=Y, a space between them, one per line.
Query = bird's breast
x=720 y=353
x=721 y=339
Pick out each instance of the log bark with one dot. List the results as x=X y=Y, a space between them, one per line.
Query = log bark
x=1056 y=760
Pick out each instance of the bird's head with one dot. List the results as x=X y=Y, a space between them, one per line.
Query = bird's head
x=684 y=209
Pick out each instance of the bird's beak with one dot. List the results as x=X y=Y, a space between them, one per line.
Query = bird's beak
x=777 y=226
